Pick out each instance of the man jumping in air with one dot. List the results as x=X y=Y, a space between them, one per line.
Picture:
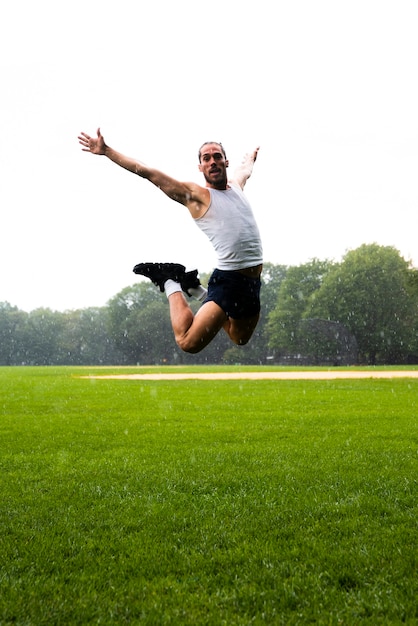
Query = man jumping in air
x=220 y=209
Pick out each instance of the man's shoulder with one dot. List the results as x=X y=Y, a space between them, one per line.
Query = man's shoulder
x=233 y=184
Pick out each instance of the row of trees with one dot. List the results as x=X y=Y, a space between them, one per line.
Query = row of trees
x=361 y=310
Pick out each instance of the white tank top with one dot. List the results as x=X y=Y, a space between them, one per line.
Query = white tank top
x=230 y=225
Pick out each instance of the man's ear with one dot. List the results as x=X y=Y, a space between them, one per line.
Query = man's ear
x=226 y=163
x=200 y=167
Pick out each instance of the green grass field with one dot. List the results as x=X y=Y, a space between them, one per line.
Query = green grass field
x=206 y=502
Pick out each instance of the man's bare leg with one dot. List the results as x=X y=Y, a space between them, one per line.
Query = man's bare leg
x=241 y=331
x=194 y=332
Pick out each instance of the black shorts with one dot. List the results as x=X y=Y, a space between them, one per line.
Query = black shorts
x=238 y=295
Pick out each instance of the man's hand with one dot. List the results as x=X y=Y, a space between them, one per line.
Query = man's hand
x=255 y=153
x=92 y=144
x=250 y=157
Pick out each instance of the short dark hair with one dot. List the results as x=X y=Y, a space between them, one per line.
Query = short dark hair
x=218 y=143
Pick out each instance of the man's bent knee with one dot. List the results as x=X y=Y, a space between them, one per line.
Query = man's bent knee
x=206 y=324
x=199 y=335
x=240 y=340
x=241 y=331
x=191 y=345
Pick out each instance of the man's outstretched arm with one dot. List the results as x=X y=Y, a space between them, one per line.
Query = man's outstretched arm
x=97 y=145
x=188 y=194
x=244 y=171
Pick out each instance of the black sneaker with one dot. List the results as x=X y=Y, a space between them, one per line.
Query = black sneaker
x=160 y=272
x=189 y=280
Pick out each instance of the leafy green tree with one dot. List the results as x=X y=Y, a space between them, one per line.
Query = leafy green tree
x=271 y=280
x=85 y=339
x=368 y=293
x=42 y=337
x=295 y=292
x=324 y=342
x=12 y=325
x=150 y=334
x=139 y=324
x=412 y=286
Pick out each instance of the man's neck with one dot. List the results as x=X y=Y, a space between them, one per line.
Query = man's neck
x=222 y=187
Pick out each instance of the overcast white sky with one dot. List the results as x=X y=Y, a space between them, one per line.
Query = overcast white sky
x=327 y=88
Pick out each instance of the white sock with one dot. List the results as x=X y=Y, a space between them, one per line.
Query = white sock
x=199 y=292
x=170 y=287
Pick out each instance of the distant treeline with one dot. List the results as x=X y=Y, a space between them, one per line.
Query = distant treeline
x=362 y=310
